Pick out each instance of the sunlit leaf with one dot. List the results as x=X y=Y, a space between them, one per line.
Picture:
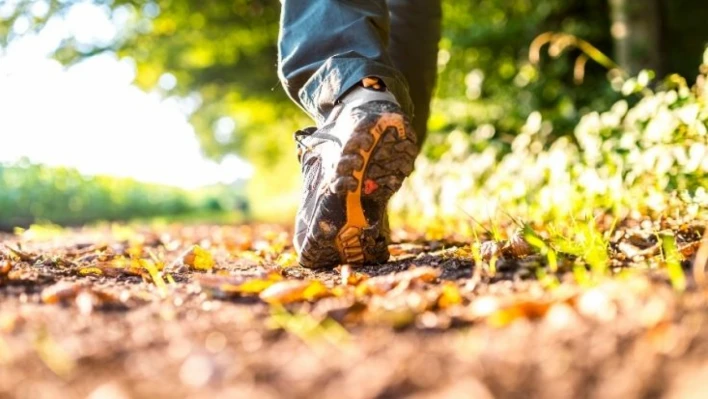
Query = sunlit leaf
x=289 y=291
x=86 y=271
x=449 y=295
x=198 y=258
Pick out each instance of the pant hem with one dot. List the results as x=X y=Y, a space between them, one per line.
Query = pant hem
x=339 y=74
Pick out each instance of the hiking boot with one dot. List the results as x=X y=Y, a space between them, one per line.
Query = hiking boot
x=351 y=167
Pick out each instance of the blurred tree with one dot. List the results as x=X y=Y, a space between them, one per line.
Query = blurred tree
x=637 y=30
x=486 y=47
x=30 y=193
x=222 y=56
x=684 y=36
x=667 y=36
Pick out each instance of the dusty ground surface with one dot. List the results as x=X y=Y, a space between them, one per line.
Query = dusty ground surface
x=124 y=312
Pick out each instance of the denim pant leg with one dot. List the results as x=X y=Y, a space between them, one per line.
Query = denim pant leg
x=327 y=46
x=414 y=38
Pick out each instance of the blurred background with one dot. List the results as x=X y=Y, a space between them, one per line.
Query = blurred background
x=123 y=110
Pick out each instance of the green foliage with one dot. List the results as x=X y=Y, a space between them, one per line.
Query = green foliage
x=486 y=76
x=510 y=124
x=224 y=52
x=631 y=157
x=30 y=193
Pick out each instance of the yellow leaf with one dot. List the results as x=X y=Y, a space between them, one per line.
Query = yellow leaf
x=504 y=317
x=287 y=260
x=198 y=258
x=90 y=270
x=155 y=275
x=135 y=251
x=449 y=296
x=528 y=309
x=290 y=291
x=255 y=286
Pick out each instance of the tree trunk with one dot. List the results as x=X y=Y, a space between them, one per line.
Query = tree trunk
x=637 y=31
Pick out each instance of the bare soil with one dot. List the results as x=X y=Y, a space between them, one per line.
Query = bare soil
x=76 y=322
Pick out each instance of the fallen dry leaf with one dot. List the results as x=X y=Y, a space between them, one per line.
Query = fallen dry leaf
x=60 y=292
x=380 y=285
x=289 y=291
x=5 y=267
x=238 y=285
x=519 y=309
x=449 y=295
x=490 y=249
x=351 y=277
x=518 y=246
x=197 y=258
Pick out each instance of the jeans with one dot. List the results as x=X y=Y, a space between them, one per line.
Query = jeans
x=326 y=47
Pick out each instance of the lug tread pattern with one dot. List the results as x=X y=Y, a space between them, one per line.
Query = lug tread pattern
x=390 y=161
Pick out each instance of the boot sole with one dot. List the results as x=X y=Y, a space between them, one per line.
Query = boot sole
x=376 y=159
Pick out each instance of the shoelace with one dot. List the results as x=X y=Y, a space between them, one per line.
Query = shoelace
x=312 y=133
x=372 y=83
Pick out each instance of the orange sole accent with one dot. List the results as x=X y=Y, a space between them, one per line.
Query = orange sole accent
x=348 y=240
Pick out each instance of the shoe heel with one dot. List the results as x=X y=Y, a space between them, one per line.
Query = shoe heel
x=387 y=145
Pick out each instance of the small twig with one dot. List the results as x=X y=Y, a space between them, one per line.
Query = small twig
x=24 y=256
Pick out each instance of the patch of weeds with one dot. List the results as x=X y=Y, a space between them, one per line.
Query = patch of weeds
x=544 y=249
x=588 y=245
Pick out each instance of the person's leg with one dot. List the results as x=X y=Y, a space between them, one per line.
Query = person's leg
x=326 y=47
x=413 y=47
x=334 y=62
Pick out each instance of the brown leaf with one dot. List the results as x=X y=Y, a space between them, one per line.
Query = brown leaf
x=109 y=269
x=380 y=285
x=5 y=267
x=490 y=249
x=517 y=245
x=60 y=292
x=87 y=250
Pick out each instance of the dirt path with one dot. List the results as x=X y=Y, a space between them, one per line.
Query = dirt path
x=121 y=313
